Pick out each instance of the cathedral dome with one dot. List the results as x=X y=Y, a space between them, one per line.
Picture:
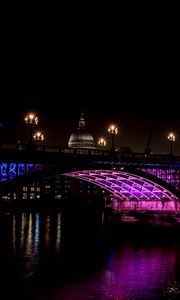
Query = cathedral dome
x=81 y=138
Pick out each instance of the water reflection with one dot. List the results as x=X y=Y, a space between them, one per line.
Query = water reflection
x=74 y=256
x=31 y=232
x=36 y=234
x=58 y=234
x=132 y=271
x=47 y=232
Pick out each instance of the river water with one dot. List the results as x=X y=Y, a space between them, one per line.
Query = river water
x=78 y=255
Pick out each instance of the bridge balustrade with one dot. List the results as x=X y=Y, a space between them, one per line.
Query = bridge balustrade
x=12 y=152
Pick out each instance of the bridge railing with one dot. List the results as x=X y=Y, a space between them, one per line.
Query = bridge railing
x=56 y=149
x=150 y=158
x=6 y=150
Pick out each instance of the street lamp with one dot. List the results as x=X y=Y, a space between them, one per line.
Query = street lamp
x=32 y=120
x=102 y=142
x=38 y=136
x=171 y=137
x=113 y=130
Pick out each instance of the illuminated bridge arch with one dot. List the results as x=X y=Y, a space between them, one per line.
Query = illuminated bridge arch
x=125 y=186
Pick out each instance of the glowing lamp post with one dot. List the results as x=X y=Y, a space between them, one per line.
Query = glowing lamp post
x=102 y=142
x=113 y=130
x=32 y=120
x=38 y=136
x=171 y=137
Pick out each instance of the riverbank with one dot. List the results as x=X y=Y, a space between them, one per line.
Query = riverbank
x=148 y=217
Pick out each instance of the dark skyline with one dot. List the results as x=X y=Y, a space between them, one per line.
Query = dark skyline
x=59 y=118
x=126 y=75
x=133 y=101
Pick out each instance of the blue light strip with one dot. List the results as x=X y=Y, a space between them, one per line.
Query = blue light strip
x=11 y=170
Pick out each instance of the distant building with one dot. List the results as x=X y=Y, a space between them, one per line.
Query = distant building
x=81 y=138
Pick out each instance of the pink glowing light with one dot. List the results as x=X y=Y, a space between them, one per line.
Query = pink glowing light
x=125 y=186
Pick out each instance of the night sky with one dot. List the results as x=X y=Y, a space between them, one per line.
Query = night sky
x=127 y=74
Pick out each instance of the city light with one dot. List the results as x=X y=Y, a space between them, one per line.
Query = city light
x=113 y=130
x=32 y=120
x=38 y=136
x=102 y=142
x=171 y=137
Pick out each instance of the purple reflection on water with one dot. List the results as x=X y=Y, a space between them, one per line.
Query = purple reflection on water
x=65 y=257
x=139 y=272
x=132 y=272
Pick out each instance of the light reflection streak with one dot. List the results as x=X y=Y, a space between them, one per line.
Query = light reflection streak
x=36 y=237
x=47 y=231
x=29 y=244
x=58 y=236
x=23 y=224
x=14 y=232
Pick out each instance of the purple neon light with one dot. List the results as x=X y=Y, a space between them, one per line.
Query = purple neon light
x=125 y=186
x=171 y=176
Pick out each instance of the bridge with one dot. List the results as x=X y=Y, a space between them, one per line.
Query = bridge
x=134 y=179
